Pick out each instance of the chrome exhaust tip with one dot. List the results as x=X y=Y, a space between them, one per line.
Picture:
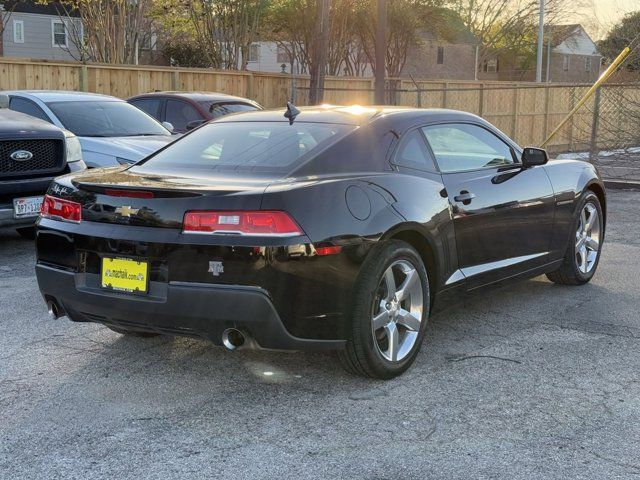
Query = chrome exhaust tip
x=232 y=338
x=53 y=310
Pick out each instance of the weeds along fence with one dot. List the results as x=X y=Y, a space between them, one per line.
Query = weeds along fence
x=528 y=112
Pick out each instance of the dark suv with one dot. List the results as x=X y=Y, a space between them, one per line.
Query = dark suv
x=32 y=153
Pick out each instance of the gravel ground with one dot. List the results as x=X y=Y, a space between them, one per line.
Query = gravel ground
x=531 y=381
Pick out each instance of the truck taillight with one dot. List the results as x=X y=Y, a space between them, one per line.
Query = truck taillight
x=60 y=209
x=267 y=223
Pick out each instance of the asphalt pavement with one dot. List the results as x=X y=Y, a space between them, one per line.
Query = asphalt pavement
x=531 y=381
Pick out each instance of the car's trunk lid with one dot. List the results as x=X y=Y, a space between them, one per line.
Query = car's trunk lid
x=125 y=197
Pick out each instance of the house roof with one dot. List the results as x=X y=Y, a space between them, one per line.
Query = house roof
x=564 y=34
x=30 y=6
x=560 y=33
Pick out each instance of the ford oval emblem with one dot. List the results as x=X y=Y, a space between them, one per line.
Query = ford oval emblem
x=21 y=155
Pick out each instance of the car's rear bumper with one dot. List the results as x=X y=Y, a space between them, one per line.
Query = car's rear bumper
x=180 y=308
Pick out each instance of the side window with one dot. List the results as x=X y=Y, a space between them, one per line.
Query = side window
x=459 y=147
x=413 y=153
x=180 y=113
x=150 y=106
x=27 y=106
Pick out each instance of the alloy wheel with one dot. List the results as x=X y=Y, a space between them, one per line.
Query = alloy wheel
x=587 y=238
x=397 y=311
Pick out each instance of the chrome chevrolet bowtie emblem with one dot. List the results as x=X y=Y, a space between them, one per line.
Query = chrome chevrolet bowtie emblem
x=216 y=268
x=127 y=211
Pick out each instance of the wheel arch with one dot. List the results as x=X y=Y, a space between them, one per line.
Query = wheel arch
x=425 y=245
x=599 y=191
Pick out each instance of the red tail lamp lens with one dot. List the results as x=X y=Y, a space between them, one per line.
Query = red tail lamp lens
x=241 y=223
x=330 y=250
x=58 y=208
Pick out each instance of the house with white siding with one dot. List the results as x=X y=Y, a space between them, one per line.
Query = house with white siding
x=39 y=31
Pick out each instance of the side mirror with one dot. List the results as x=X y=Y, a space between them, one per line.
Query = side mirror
x=168 y=126
x=532 y=156
x=194 y=124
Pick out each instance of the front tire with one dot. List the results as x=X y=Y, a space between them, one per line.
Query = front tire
x=389 y=314
x=585 y=244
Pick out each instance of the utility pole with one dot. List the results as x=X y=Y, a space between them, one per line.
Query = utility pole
x=540 y=43
x=381 y=50
x=316 y=92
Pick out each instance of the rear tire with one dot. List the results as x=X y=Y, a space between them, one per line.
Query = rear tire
x=132 y=333
x=585 y=244
x=389 y=313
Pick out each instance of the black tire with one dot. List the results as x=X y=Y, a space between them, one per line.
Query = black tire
x=27 y=232
x=132 y=333
x=361 y=356
x=568 y=273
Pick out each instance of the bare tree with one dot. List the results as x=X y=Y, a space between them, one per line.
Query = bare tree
x=111 y=30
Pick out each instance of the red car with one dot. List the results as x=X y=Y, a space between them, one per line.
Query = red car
x=187 y=110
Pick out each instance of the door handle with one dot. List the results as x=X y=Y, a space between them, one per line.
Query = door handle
x=464 y=197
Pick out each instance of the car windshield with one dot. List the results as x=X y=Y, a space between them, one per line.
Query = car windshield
x=258 y=147
x=218 y=109
x=105 y=119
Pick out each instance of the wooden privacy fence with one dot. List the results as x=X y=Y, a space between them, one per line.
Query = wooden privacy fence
x=525 y=111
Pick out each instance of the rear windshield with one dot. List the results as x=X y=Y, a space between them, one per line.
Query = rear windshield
x=221 y=109
x=260 y=147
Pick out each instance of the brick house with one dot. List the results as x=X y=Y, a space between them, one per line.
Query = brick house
x=569 y=56
x=434 y=57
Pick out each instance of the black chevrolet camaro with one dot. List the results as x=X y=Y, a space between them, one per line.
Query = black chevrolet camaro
x=336 y=228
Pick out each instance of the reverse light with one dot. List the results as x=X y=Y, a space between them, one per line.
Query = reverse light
x=267 y=223
x=60 y=209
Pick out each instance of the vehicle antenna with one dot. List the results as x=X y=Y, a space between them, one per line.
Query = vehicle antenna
x=291 y=113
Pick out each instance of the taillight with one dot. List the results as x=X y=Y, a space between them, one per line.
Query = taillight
x=269 y=223
x=60 y=209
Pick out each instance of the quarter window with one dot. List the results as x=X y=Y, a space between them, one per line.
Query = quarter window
x=460 y=147
x=413 y=152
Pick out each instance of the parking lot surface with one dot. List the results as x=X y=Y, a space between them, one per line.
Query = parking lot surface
x=530 y=381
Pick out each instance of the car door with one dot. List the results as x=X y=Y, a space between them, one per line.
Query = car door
x=503 y=213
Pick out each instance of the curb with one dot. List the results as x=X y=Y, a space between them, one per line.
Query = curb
x=622 y=185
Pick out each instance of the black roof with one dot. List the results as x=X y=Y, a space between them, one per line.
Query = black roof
x=19 y=125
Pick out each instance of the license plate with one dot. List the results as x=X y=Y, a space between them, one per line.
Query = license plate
x=125 y=275
x=27 y=207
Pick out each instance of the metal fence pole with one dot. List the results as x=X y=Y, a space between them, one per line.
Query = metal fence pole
x=593 y=150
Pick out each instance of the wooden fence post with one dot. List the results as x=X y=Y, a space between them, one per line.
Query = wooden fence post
x=546 y=113
x=481 y=101
x=572 y=104
x=445 y=100
x=175 y=80
x=83 y=80
x=250 y=86
x=593 y=144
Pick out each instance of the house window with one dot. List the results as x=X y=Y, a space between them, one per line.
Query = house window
x=18 y=31
x=565 y=63
x=59 y=33
x=440 y=59
x=491 y=65
x=254 y=52
x=283 y=55
x=587 y=64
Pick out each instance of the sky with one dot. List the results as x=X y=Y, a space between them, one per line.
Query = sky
x=598 y=16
